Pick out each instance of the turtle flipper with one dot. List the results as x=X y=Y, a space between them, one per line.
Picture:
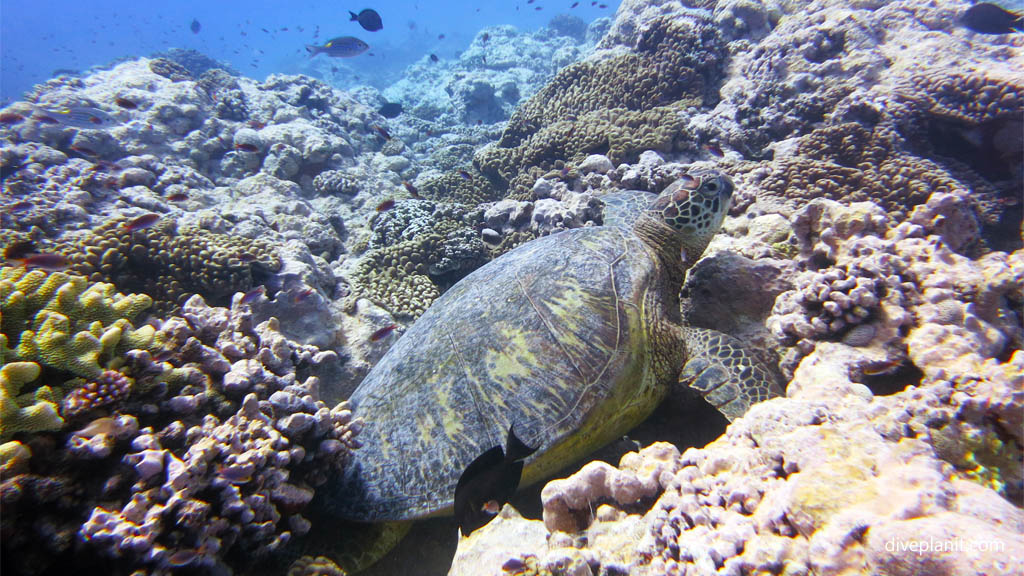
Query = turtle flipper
x=725 y=373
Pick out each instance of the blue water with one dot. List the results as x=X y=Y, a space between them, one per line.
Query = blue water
x=42 y=36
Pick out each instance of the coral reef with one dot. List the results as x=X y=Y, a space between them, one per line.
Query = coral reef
x=620 y=105
x=822 y=481
x=209 y=463
x=170 y=264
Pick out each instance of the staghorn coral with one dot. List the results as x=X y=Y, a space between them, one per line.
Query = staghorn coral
x=170 y=264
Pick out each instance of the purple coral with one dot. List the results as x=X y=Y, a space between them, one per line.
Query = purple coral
x=111 y=387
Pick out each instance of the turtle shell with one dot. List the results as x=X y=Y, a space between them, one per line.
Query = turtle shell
x=549 y=338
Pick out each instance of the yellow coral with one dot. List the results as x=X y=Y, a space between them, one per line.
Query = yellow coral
x=33 y=412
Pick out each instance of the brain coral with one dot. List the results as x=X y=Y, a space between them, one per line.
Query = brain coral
x=169 y=264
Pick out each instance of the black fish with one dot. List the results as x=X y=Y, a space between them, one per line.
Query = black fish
x=488 y=483
x=368 y=19
x=341 y=47
x=988 y=18
x=434 y=58
x=390 y=109
x=195 y=26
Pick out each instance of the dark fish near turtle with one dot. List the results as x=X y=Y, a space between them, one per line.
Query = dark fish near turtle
x=340 y=47
x=989 y=18
x=488 y=483
x=379 y=335
x=368 y=19
x=390 y=109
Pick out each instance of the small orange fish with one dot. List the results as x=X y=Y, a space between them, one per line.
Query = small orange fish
x=256 y=124
x=302 y=296
x=379 y=335
x=386 y=205
x=44 y=261
x=178 y=197
x=235 y=474
x=465 y=175
x=246 y=147
x=85 y=151
x=252 y=295
x=11 y=118
x=44 y=119
x=714 y=149
x=19 y=250
x=142 y=222
x=125 y=103
x=491 y=507
x=383 y=133
x=880 y=368
x=411 y=189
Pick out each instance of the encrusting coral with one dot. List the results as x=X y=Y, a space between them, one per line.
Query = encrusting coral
x=620 y=105
x=170 y=264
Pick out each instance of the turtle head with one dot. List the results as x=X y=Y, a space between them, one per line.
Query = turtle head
x=694 y=207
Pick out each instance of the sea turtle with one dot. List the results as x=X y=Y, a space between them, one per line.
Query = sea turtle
x=570 y=340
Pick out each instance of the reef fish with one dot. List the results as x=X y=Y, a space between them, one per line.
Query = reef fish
x=488 y=483
x=368 y=19
x=989 y=18
x=77 y=117
x=44 y=261
x=142 y=222
x=390 y=109
x=379 y=335
x=195 y=26
x=340 y=47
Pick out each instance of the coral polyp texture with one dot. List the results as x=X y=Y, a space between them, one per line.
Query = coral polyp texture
x=170 y=264
x=619 y=105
